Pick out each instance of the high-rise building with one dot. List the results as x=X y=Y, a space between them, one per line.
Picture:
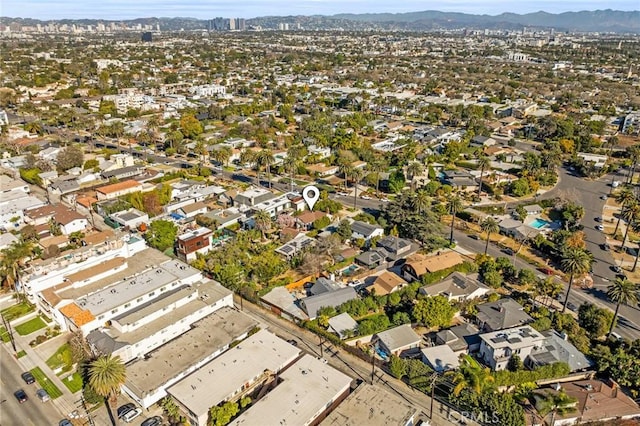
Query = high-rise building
x=240 y=24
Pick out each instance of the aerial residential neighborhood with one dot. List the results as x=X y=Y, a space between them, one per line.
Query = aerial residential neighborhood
x=320 y=221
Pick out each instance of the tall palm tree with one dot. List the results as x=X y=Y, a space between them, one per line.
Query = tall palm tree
x=265 y=158
x=12 y=262
x=484 y=163
x=555 y=403
x=575 y=261
x=631 y=215
x=377 y=166
x=473 y=376
x=634 y=154
x=106 y=375
x=454 y=205
x=421 y=201
x=263 y=222
x=356 y=175
x=413 y=169
x=345 y=168
x=291 y=164
x=621 y=292
x=224 y=154
x=625 y=197
x=490 y=226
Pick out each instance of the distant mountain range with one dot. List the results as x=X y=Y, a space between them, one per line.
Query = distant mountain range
x=430 y=20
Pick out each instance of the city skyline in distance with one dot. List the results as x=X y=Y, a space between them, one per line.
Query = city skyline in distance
x=121 y=9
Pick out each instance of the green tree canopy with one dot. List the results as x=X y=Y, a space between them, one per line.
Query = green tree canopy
x=161 y=234
x=433 y=311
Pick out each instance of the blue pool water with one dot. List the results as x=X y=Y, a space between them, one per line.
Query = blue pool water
x=539 y=223
x=349 y=270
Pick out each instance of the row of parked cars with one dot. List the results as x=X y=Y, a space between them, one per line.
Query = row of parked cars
x=22 y=396
x=128 y=412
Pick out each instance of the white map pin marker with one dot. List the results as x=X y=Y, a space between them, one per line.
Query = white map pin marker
x=310 y=194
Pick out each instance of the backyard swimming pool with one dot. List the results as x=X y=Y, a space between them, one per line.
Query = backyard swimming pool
x=539 y=223
x=349 y=270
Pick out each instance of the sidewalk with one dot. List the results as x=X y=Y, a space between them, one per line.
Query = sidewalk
x=68 y=402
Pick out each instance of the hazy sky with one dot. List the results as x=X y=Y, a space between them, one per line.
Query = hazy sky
x=203 y=9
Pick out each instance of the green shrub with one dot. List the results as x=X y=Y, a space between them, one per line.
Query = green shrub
x=512 y=378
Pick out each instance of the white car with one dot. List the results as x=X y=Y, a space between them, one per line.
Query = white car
x=130 y=415
x=600 y=227
x=342 y=194
x=366 y=197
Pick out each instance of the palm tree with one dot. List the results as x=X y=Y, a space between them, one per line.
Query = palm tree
x=263 y=222
x=622 y=292
x=471 y=375
x=484 y=163
x=106 y=375
x=454 y=205
x=265 y=158
x=224 y=153
x=291 y=164
x=575 y=261
x=421 y=201
x=345 y=168
x=413 y=169
x=625 y=197
x=489 y=225
x=634 y=154
x=631 y=215
x=555 y=403
x=356 y=175
x=377 y=166
x=12 y=262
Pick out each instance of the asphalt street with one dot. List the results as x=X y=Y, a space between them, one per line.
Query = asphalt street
x=30 y=413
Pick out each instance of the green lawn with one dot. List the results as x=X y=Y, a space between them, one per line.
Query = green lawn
x=62 y=358
x=73 y=382
x=30 y=326
x=16 y=311
x=21 y=354
x=45 y=383
x=4 y=335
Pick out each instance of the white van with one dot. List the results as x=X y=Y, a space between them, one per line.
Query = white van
x=130 y=415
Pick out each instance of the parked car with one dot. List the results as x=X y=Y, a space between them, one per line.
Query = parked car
x=598 y=219
x=572 y=307
x=342 y=194
x=600 y=227
x=28 y=378
x=292 y=342
x=617 y=269
x=65 y=422
x=606 y=247
x=21 y=396
x=124 y=409
x=132 y=414
x=366 y=197
x=153 y=421
x=42 y=395
x=604 y=196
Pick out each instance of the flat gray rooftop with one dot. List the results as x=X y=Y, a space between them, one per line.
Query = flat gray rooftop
x=130 y=288
x=209 y=335
x=373 y=406
x=135 y=264
x=306 y=389
x=231 y=370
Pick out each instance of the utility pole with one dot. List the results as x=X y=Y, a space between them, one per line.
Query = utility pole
x=434 y=377
x=84 y=407
x=321 y=342
x=7 y=325
x=373 y=361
